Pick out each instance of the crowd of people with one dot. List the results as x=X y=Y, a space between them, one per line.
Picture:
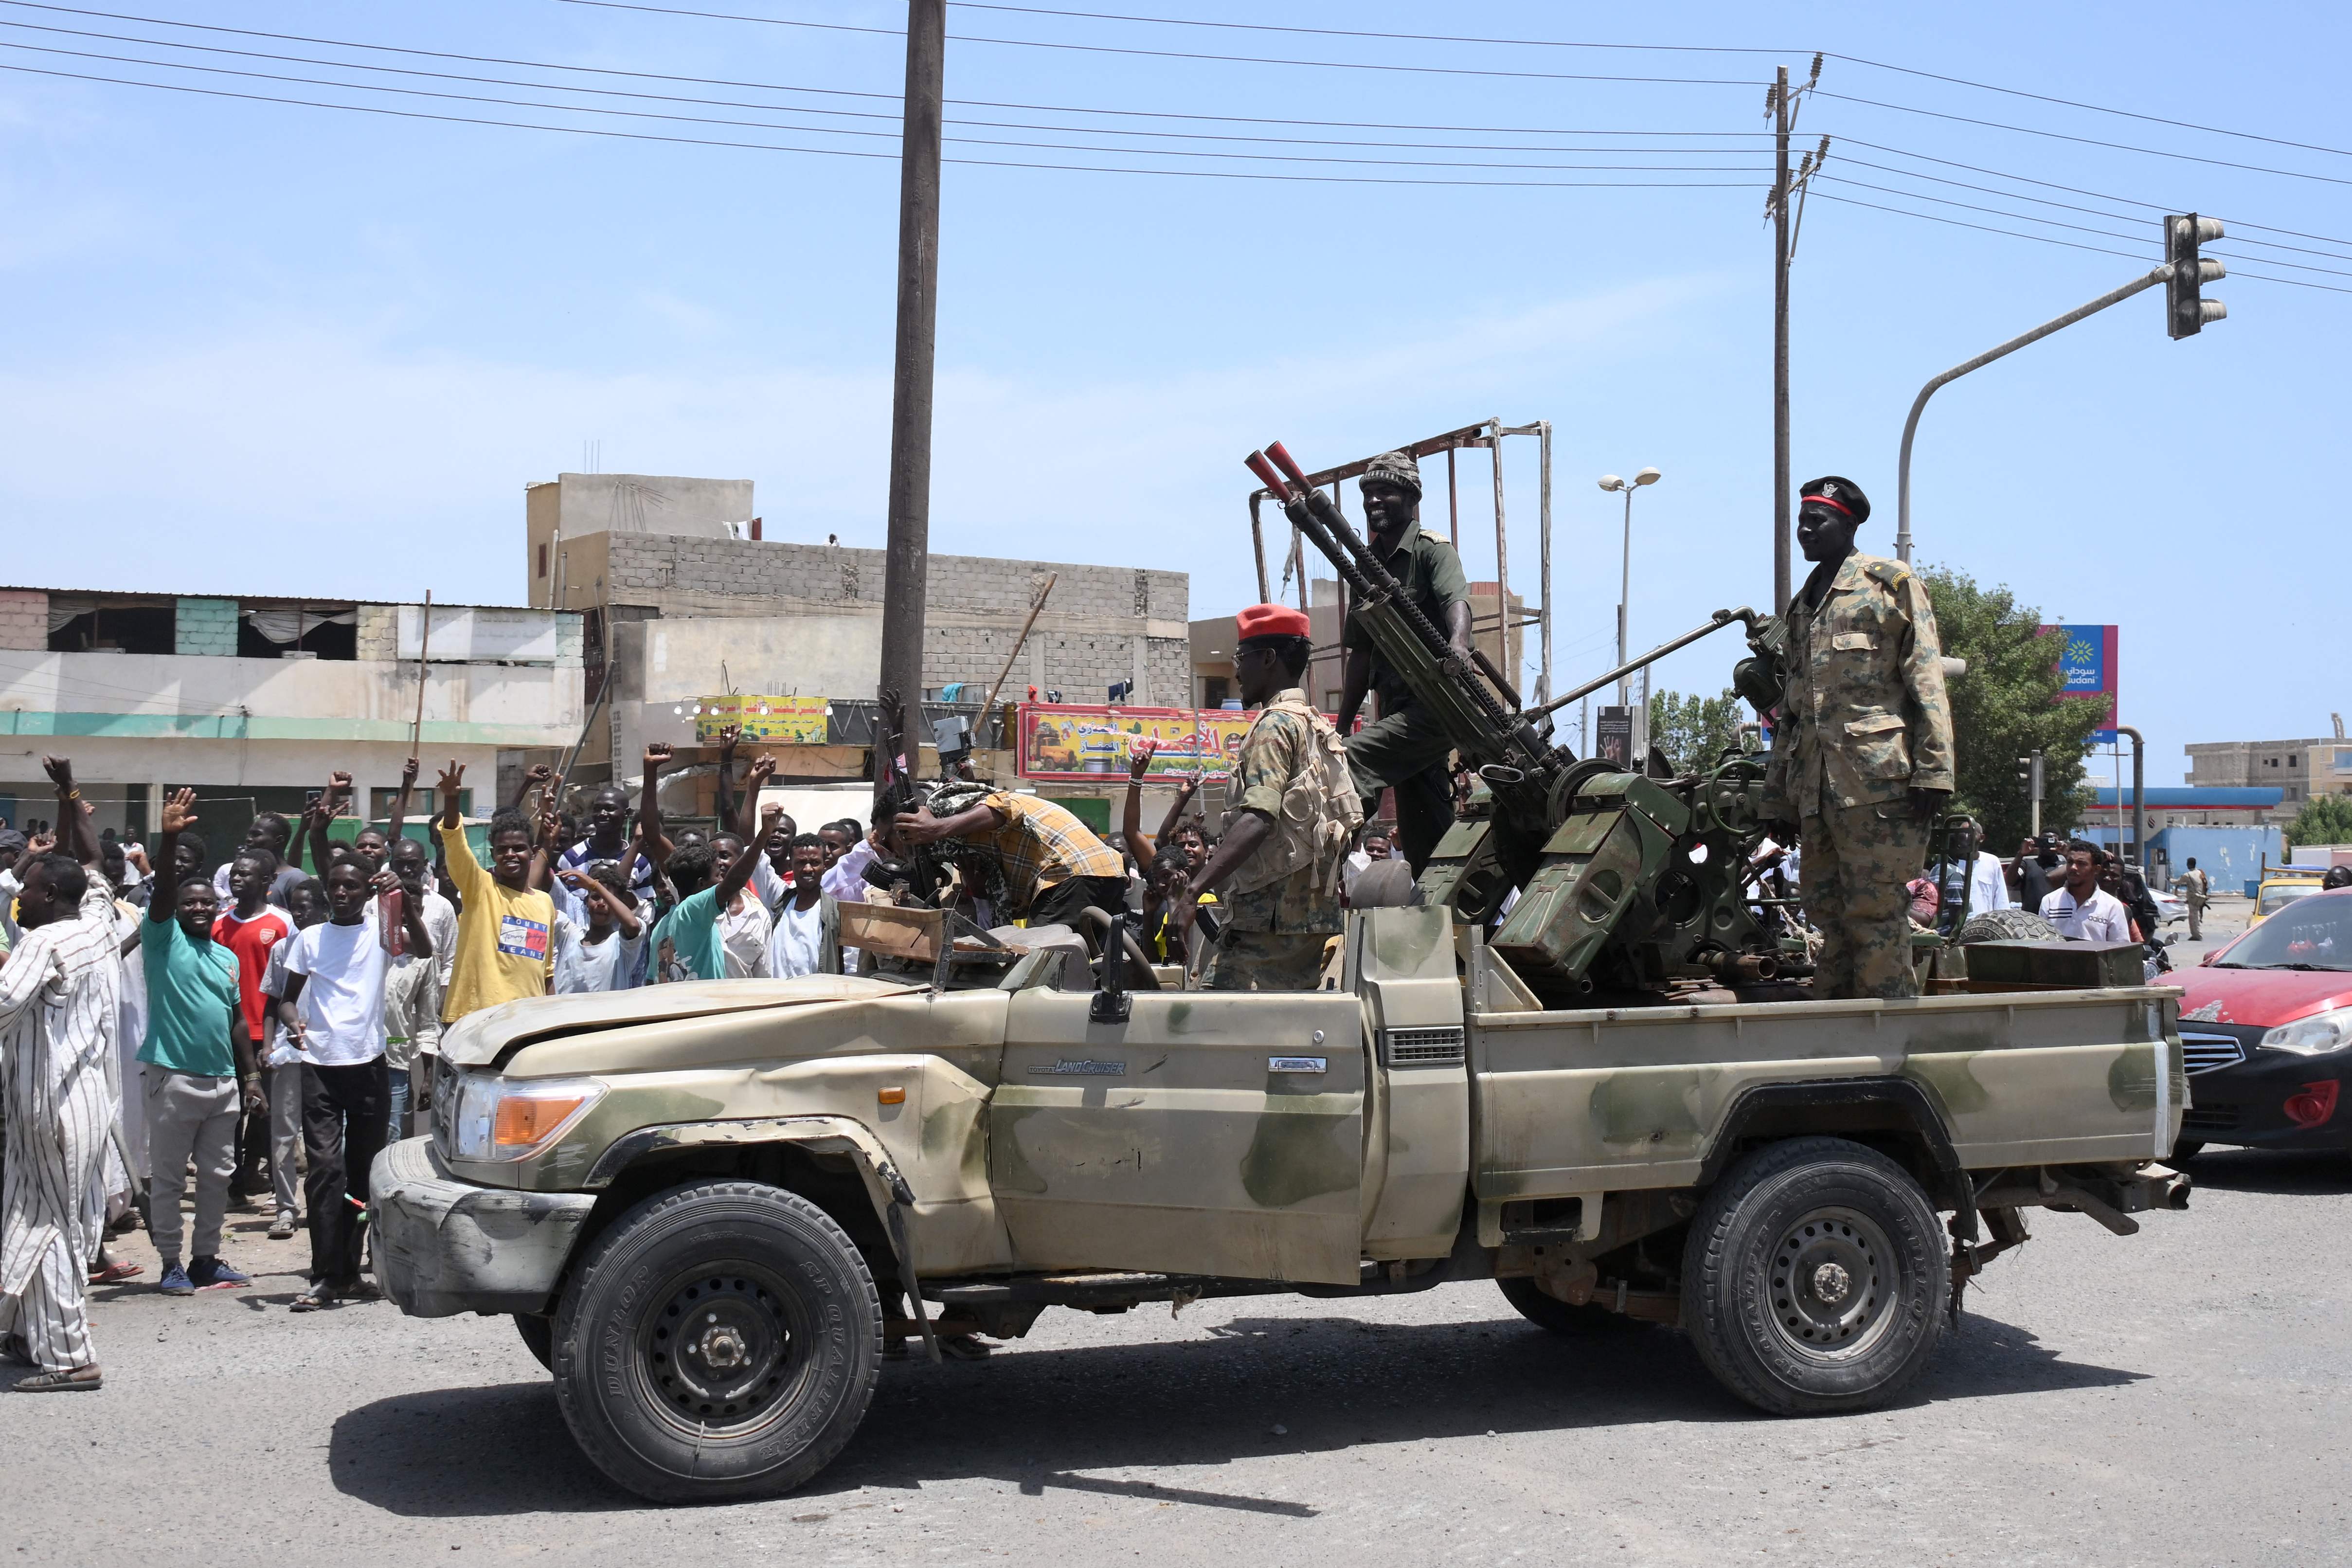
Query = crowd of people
x=263 y=1030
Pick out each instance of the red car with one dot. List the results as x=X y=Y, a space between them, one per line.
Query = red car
x=2267 y=1030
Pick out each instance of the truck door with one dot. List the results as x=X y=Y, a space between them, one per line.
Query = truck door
x=1211 y=1132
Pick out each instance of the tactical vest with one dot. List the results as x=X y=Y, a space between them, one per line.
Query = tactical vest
x=1320 y=812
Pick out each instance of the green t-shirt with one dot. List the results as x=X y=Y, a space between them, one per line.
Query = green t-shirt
x=191 y=992
x=697 y=951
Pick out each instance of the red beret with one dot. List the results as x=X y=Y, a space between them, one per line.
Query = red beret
x=1271 y=621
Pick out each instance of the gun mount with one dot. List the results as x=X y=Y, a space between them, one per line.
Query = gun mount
x=1627 y=879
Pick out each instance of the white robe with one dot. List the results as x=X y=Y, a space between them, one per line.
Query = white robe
x=59 y=999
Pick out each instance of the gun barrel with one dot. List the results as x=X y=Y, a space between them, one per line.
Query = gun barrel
x=1257 y=464
x=1722 y=619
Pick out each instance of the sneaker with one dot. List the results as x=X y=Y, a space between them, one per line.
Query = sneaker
x=282 y=1228
x=212 y=1274
x=175 y=1281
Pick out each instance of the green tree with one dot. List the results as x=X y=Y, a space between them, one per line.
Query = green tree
x=2006 y=706
x=2324 y=819
x=1692 y=730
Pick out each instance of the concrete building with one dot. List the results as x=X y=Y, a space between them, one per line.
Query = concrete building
x=253 y=701
x=682 y=598
x=2297 y=769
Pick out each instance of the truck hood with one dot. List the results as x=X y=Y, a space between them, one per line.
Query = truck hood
x=2259 y=998
x=479 y=1038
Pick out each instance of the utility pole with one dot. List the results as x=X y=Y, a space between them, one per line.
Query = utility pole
x=1781 y=344
x=906 y=562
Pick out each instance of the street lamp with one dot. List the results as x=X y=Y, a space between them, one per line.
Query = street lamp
x=1626 y=592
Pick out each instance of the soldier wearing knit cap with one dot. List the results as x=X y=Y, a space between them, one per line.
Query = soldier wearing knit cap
x=1406 y=747
x=1862 y=746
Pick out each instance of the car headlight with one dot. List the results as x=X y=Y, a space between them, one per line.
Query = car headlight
x=2315 y=1035
x=509 y=1119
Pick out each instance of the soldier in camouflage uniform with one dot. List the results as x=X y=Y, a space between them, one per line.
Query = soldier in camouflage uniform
x=1277 y=870
x=1862 y=746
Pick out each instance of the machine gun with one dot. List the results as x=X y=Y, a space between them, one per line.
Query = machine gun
x=1628 y=879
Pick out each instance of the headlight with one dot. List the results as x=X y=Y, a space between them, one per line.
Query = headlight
x=507 y=1119
x=2315 y=1035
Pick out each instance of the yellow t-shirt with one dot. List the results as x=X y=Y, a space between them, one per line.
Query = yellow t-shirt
x=506 y=938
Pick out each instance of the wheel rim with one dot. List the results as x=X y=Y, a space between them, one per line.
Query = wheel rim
x=1835 y=1283
x=726 y=1350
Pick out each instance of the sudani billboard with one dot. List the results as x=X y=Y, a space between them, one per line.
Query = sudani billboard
x=1080 y=744
x=785 y=720
x=2086 y=660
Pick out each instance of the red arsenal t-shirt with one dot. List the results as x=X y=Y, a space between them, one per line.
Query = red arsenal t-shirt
x=251 y=942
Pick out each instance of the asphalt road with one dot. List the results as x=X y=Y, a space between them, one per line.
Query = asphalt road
x=2173 y=1397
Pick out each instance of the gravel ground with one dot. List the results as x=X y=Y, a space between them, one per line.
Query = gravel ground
x=2173 y=1397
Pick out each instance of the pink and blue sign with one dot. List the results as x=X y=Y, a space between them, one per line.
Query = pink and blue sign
x=2086 y=660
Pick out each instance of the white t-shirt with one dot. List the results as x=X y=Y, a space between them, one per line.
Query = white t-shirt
x=798 y=941
x=580 y=965
x=2099 y=918
x=342 y=1004
x=1988 y=888
x=743 y=932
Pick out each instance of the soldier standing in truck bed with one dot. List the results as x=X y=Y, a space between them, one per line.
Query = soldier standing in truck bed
x=1405 y=747
x=1279 y=866
x=1861 y=748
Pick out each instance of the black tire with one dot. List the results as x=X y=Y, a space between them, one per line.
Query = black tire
x=2188 y=1147
x=2007 y=925
x=775 y=1380
x=1550 y=1313
x=538 y=1337
x=1815 y=1279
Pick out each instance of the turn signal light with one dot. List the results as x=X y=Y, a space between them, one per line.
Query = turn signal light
x=2314 y=1103
x=523 y=1121
x=891 y=1096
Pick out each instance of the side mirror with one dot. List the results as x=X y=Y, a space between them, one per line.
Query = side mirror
x=1110 y=1004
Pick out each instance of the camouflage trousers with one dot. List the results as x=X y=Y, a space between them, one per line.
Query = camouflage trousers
x=1856 y=863
x=1267 y=961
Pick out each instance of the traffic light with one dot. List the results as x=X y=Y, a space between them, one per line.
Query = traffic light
x=2186 y=308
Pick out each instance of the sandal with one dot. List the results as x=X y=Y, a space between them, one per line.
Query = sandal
x=74 y=1380
x=113 y=1271
x=318 y=1298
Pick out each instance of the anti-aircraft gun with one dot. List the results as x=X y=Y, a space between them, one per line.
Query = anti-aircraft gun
x=1628 y=879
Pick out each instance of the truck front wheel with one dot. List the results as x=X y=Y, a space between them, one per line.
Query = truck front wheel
x=1815 y=1279
x=721 y=1339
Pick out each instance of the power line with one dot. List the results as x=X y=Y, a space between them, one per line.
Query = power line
x=1663 y=48
x=732 y=103
x=793 y=109
x=893 y=136
x=2030 y=131
x=1171 y=54
x=851 y=152
x=2045 y=239
x=1069 y=111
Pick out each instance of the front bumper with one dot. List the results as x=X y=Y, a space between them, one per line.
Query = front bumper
x=2246 y=1103
x=445 y=1245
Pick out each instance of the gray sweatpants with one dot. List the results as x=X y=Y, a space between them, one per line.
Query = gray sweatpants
x=284 y=1087
x=189 y=1115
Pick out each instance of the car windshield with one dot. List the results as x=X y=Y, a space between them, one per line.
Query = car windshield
x=2310 y=934
x=2279 y=895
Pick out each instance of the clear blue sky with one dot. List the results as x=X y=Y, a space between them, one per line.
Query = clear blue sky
x=261 y=348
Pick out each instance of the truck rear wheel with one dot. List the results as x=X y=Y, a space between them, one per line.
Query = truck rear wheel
x=1551 y=1313
x=722 y=1340
x=1815 y=1277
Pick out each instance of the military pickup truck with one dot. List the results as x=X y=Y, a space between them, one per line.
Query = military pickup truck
x=710 y=1207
